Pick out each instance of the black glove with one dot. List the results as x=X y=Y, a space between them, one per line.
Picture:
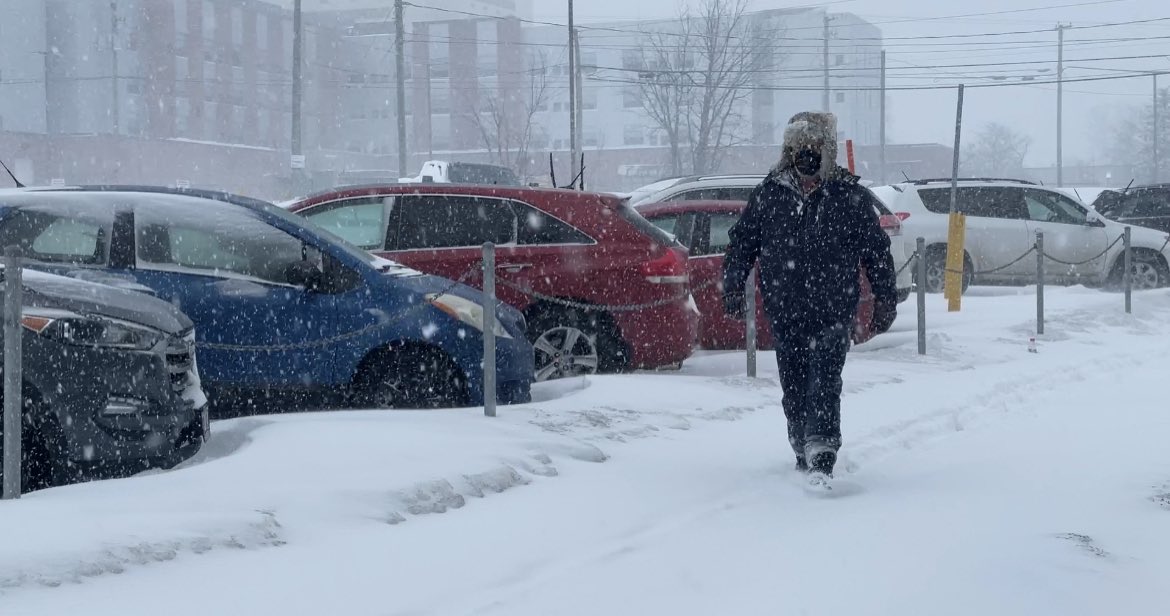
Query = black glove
x=733 y=306
x=883 y=317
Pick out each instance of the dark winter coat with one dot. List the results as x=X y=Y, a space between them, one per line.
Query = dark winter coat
x=809 y=250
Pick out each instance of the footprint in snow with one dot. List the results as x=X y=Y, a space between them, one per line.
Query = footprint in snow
x=1085 y=543
x=1162 y=497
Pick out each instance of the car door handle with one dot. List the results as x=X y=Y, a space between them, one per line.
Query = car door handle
x=513 y=267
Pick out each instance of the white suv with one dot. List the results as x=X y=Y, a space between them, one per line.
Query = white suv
x=1003 y=217
x=740 y=187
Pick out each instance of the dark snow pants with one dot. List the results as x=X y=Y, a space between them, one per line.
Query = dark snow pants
x=810 y=375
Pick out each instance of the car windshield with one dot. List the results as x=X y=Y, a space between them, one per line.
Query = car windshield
x=324 y=234
x=645 y=226
x=469 y=173
x=1108 y=201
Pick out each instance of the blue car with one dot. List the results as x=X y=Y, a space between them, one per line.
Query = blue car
x=286 y=314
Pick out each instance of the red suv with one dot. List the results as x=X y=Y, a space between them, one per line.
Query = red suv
x=602 y=289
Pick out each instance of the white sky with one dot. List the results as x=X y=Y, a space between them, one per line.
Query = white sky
x=929 y=116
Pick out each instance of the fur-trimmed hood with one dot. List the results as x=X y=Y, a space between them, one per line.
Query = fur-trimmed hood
x=810 y=128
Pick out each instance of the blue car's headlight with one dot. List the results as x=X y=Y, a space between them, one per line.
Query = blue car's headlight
x=465 y=311
x=91 y=331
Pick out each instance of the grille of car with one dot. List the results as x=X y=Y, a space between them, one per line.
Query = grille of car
x=180 y=360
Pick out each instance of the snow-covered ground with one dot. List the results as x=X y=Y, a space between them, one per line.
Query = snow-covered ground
x=980 y=479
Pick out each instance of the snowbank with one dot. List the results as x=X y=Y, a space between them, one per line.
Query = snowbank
x=980 y=478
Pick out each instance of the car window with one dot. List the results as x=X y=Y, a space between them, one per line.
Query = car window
x=537 y=227
x=645 y=227
x=60 y=235
x=667 y=223
x=721 y=225
x=361 y=222
x=980 y=201
x=679 y=226
x=1045 y=206
x=718 y=234
x=218 y=239
x=446 y=221
x=1148 y=204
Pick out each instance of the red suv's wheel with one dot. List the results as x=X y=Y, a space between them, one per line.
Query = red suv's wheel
x=570 y=343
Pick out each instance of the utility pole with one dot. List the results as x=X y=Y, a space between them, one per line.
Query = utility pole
x=400 y=74
x=117 y=111
x=297 y=85
x=572 y=96
x=579 y=105
x=1157 y=163
x=1060 y=104
x=825 y=61
x=883 y=121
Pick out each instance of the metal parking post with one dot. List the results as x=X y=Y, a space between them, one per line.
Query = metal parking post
x=920 y=265
x=1039 y=283
x=1127 y=275
x=13 y=302
x=489 y=329
x=749 y=302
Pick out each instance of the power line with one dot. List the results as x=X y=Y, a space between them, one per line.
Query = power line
x=905 y=88
x=772 y=38
x=993 y=13
x=819 y=69
x=966 y=47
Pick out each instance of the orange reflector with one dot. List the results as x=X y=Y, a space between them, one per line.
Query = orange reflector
x=36 y=324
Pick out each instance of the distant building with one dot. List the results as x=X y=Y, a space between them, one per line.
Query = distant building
x=162 y=80
x=459 y=64
x=22 y=66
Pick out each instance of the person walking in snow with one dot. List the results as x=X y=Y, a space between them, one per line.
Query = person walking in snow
x=810 y=225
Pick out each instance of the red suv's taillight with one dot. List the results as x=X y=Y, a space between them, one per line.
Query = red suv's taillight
x=891 y=224
x=670 y=268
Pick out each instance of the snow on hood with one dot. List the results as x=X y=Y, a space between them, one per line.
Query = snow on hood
x=53 y=291
x=394 y=268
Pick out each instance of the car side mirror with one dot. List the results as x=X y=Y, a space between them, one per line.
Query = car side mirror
x=305 y=274
x=1094 y=219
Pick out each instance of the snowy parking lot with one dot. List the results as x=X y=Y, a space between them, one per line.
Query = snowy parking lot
x=979 y=479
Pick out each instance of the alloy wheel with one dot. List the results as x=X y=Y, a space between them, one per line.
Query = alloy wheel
x=565 y=352
x=1144 y=275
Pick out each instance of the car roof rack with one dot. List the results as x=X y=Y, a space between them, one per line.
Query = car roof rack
x=938 y=180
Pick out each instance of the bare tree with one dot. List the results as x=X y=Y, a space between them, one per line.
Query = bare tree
x=996 y=151
x=696 y=77
x=1132 y=140
x=506 y=118
x=665 y=93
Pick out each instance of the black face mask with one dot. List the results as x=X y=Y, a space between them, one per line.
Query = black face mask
x=807 y=162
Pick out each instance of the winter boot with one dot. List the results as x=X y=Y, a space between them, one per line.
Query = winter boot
x=801 y=464
x=823 y=462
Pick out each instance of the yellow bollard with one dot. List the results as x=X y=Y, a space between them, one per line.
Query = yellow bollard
x=953 y=281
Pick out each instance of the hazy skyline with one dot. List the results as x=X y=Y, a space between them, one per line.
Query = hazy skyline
x=928 y=116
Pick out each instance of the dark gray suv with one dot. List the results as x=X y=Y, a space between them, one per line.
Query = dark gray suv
x=110 y=382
